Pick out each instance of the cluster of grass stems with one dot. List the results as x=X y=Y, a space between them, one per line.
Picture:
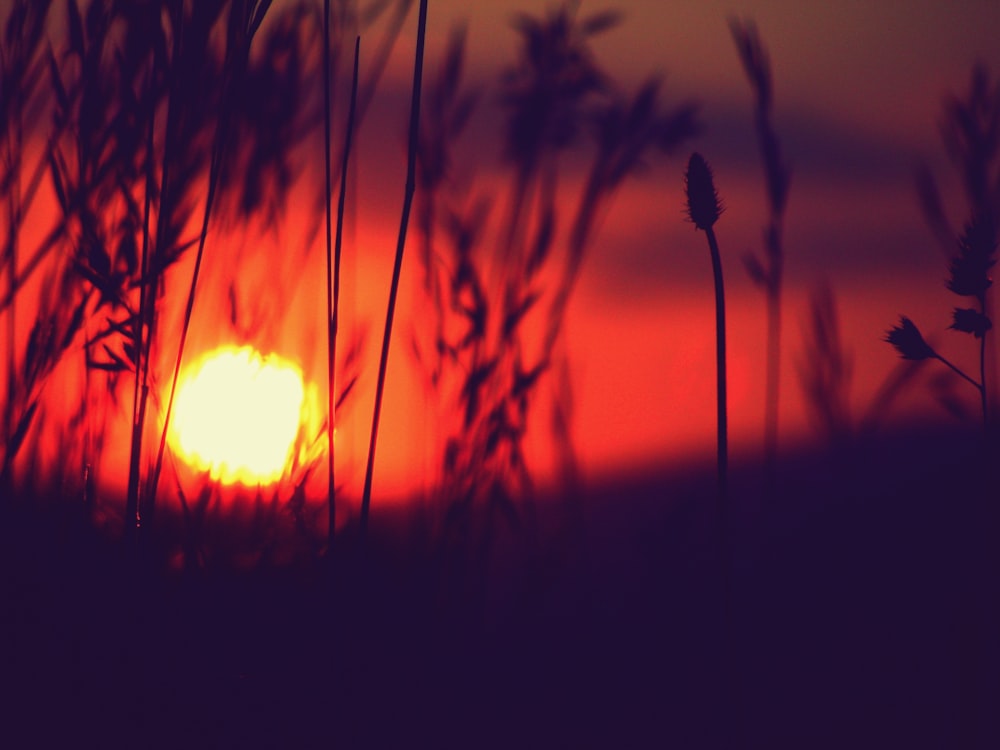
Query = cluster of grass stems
x=145 y=124
x=150 y=108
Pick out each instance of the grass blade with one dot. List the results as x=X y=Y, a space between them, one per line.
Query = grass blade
x=398 y=264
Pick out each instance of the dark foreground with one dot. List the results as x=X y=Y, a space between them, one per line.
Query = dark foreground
x=864 y=613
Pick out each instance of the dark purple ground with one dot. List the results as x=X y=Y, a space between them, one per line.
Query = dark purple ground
x=865 y=613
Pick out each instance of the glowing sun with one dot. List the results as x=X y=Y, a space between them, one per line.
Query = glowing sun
x=238 y=415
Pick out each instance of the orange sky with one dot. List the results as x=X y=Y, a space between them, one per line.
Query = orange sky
x=858 y=88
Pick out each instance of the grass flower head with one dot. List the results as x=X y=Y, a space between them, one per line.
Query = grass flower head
x=703 y=204
x=908 y=342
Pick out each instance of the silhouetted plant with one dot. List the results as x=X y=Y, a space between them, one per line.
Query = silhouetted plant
x=969 y=277
x=971 y=133
x=333 y=256
x=410 y=188
x=767 y=273
x=704 y=209
x=555 y=98
x=825 y=368
x=21 y=69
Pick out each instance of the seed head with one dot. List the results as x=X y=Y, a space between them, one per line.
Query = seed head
x=908 y=341
x=970 y=268
x=703 y=205
x=970 y=321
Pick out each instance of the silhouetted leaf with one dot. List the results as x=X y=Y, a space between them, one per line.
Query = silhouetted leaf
x=345 y=392
x=96 y=22
x=117 y=363
x=754 y=58
x=601 y=22
x=98 y=258
x=932 y=207
x=76 y=41
x=131 y=353
x=23 y=424
x=755 y=270
x=473 y=384
x=497 y=429
x=451 y=452
x=262 y=6
x=15 y=24
x=516 y=313
x=58 y=183
x=62 y=98
x=75 y=323
x=680 y=126
x=34 y=348
x=542 y=244
x=525 y=381
x=128 y=253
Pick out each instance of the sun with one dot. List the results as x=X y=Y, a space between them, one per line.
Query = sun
x=238 y=415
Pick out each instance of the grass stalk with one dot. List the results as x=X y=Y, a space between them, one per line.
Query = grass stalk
x=333 y=263
x=239 y=59
x=398 y=263
x=961 y=373
x=720 y=367
x=982 y=375
x=703 y=210
x=769 y=272
x=140 y=395
x=151 y=281
x=14 y=213
x=331 y=336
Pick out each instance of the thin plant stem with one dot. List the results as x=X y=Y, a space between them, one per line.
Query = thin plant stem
x=773 y=375
x=398 y=264
x=982 y=371
x=148 y=312
x=720 y=361
x=140 y=395
x=14 y=211
x=958 y=371
x=331 y=336
x=333 y=295
x=215 y=168
x=729 y=694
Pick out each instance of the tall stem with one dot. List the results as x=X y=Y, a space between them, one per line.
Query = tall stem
x=958 y=371
x=720 y=361
x=214 y=170
x=14 y=212
x=982 y=373
x=331 y=330
x=334 y=293
x=140 y=395
x=729 y=694
x=398 y=264
x=773 y=385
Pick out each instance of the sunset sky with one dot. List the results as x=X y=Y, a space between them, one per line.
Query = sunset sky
x=858 y=99
x=858 y=91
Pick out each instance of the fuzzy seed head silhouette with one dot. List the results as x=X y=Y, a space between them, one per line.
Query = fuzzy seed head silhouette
x=908 y=342
x=970 y=268
x=971 y=321
x=703 y=204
